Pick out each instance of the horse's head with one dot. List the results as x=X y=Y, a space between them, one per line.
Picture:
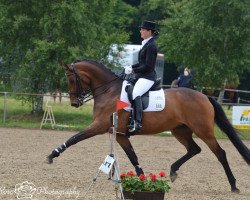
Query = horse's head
x=78 y=85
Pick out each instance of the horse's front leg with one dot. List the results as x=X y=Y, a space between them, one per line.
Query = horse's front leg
x=127 y=147
x=90 y=132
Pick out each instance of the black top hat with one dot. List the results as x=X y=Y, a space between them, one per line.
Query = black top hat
x=148 y=25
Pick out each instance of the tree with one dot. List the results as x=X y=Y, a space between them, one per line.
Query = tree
x=123 y=17
x=211 y=37
x=40 y=35
x=157 y=10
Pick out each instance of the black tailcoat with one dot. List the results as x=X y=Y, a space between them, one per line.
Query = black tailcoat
x=147 y=59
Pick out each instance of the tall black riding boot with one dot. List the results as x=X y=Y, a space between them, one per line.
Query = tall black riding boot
x=138 y=114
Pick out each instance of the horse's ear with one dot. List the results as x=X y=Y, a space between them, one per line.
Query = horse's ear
x=65 y=65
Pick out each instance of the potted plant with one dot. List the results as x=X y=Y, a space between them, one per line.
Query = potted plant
x=152 y=187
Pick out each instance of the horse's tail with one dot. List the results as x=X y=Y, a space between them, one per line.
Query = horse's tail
x=224 y=124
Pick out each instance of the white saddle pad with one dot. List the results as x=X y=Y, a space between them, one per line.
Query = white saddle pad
x=156 y=100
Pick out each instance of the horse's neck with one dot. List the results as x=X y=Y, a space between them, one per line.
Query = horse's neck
x=105 y=97
x=102 y=79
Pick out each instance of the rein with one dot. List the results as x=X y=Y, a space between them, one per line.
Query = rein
x=85 y=96
x=100 y=86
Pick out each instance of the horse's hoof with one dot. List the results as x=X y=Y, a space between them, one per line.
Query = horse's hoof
x=235 y=190
x=173 y=176
x=49 y=160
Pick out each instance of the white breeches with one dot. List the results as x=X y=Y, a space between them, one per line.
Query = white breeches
x=142 y=85
x=124 y=95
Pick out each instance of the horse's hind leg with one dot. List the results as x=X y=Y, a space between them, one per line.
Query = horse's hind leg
x=212 y=143
x=127 y=147
x=184 y=135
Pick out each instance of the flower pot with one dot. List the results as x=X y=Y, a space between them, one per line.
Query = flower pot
x=144 y=195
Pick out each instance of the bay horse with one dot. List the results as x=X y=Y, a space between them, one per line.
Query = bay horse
x=186 y=112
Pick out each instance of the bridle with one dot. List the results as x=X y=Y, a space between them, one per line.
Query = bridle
x=83 y=95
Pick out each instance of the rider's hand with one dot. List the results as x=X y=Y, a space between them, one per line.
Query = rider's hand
x=128 y=70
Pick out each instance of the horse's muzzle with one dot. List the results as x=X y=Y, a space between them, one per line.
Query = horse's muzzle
x=76 y=103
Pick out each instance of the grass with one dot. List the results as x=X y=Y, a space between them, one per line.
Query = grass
x=18 y=115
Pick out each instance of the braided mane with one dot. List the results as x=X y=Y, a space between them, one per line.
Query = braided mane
x=95 y=62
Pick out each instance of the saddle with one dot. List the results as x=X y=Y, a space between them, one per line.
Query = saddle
x=145 y=98
x=151 y=101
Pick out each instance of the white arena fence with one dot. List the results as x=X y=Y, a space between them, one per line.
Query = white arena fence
x=7 y=110
x=242 y=96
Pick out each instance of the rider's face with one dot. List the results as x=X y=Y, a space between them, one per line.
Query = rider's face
x=145 y=33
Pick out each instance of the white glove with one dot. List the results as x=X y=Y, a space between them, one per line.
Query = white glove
x=128 y=70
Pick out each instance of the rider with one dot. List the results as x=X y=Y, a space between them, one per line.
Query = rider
x=144 y=71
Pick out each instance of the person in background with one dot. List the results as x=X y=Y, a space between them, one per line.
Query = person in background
x=184 y=79
x=144 y=70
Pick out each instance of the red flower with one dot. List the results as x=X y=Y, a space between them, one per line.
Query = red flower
x=162 y=174
x=123 y=175
x=152 y=182
x=131 y=173
x=153 y=177
x=142 y=177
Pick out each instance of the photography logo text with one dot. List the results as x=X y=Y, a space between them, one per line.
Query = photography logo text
x=28 y=190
